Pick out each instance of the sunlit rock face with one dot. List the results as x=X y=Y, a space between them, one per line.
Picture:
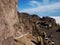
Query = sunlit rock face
x=8 y=19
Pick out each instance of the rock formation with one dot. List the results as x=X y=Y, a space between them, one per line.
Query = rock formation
x=34 y=22
x=8 y=20
x=11 y=26
x=38 y=27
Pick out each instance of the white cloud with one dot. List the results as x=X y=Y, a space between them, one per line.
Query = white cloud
x=57 y=18
x=42 y=8
x=39 y=8
x=34 y=3
x=50 y=8
x=45 y=1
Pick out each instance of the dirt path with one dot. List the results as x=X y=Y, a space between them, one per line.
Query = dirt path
x=56 y=36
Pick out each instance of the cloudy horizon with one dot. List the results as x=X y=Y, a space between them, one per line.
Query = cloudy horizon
x=57 y=18
x=40 y=7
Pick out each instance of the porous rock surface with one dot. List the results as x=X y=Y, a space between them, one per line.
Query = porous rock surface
x=8 y=19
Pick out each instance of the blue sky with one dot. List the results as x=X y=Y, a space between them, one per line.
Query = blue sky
x=40 y=7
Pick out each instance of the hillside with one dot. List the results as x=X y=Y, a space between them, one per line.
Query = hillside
x=34 y=22
x=35 y=25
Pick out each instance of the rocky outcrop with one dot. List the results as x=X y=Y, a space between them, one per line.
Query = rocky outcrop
x=27 y=21
x=40 y=28
x=34 y=22
x=8 y=20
